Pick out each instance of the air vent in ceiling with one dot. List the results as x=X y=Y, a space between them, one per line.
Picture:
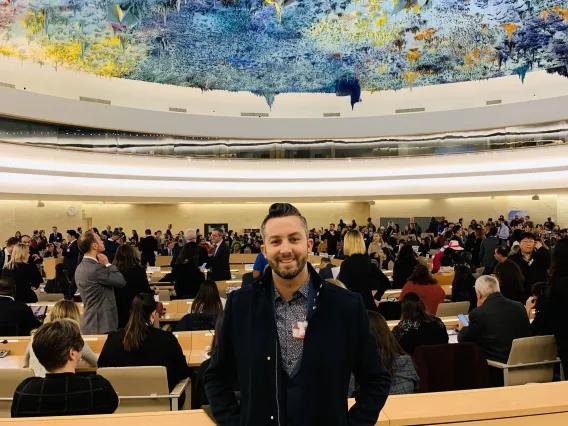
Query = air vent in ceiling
x=494 y=102
x=97 y=101
x=332 y=114
x=407 y=110
x=11 y=86
x=254 y=114
x=177 y=109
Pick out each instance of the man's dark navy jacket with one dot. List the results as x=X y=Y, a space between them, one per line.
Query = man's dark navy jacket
x=337 y=343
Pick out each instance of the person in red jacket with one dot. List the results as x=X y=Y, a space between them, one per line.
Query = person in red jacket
x=424 y=285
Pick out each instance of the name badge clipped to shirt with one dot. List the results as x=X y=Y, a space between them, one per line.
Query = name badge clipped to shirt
x=299 y=331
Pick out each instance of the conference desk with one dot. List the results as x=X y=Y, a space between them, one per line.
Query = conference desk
x=395 y=293
x=193 y=344
x=529 y=405
x=49 y=264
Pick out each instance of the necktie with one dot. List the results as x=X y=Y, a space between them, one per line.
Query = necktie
x=215 y=251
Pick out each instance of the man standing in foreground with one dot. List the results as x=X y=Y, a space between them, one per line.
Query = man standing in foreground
x=96 y=279
x=292 y=340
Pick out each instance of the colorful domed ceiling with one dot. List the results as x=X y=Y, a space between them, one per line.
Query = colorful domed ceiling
x=269 y=47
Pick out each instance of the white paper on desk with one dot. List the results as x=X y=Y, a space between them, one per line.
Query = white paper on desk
x=153 y=269
x=249 y=266
x=335 y=272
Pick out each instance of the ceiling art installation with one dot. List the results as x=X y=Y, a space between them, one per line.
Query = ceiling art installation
x=269 y=47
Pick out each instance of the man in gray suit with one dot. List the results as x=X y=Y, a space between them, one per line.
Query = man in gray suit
x=96 y=279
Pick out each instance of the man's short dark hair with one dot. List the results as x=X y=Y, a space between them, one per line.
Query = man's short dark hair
x=116 y=233
x=456 y=228
x=53 y=341
x=86 y=241
x=332 y=224
x=527 y=236
x=325 y=260
x=12 y=241
x=277 y=210
x=501 y=251
x=7 y=287
x=72 y=232
x=493 y=230
x=148 y=231
x=219 y=231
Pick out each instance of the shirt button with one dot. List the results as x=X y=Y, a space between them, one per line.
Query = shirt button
x=314 y=307
x=271 y=417
x=268 y=358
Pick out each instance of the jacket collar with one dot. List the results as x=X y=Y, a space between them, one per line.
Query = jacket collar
x=494 y=296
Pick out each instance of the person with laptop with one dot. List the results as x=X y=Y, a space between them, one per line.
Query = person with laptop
x=16 y=318
x=58 y=345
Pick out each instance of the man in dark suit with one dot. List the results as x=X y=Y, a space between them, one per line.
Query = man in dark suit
x=332 y=237
x=16 y=318
x=325 y=268
x=169 y=250
x=534 y=261
x=218 y=264
x=70 y=253
x=148 y=248
x=6 y=253
x=496 y=322
x=55 y=237
x=112 y=245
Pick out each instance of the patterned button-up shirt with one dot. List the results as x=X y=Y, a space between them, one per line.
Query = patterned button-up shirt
x=288 y=314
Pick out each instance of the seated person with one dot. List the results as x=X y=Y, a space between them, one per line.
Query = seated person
x=58 y=346
x=140 y=344
x=496 y=322
x=64 y=309
x=400 y=366
x=259 y=266
x=463 y=287
x=205 y=308
x=424 y=285
x=16 y=318
x=186 y=272
x=542 y=324
x=325 y=268
x=60 y=284
x=417 y=327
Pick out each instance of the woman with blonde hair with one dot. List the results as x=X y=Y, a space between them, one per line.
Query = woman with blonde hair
x=375 y=248
x=62 y=309
x=24 y=274
x=358 y=272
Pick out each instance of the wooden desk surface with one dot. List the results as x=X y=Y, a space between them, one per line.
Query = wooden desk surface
x=479 y=404
x=450 y=322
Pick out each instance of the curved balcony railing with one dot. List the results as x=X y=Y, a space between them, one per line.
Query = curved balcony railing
x=112 y=141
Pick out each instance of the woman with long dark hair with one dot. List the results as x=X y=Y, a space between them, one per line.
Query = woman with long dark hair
x=141 y=344
x=386 y=257
x=399 y=365
x=60 y=284
x=417 y=327
x=558 y=298
x=135 y=236
x=205 y=309
x=463 y=287
x=187 y=275
x=511 y=280
x=403 y=266
x=424 y=285
x=136 y=279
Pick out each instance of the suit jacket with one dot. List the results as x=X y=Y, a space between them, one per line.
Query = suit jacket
x=326 y=273
x=70 y=256
x=188 y=279
x=361 y=276
x=494 y=325
x=96 y=284
x=25 y=277
x=53 y=238
x=536 y=272
x=17 y=315
x=148 y=245
x=110 y=249
x=487 y=251
x=338 y=343
x=136 y=283
x=219 y=264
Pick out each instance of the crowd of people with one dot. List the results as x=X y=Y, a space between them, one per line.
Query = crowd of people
x=505 y=270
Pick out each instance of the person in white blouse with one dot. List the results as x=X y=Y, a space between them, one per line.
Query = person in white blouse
x=62 y=309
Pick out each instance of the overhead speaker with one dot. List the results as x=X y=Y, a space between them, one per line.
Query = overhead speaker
x=40 y=204
x=371 y=203
x=535 y=198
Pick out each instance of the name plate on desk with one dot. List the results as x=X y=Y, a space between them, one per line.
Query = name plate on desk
x=153 y=269
x=249 y=266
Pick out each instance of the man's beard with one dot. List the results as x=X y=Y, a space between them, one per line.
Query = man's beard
x=301 y=260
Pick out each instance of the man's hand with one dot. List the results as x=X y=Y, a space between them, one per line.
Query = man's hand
x=102 y=259
x=461 y=325
x=35 y=256
x=59 y=250
x=537 y=245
